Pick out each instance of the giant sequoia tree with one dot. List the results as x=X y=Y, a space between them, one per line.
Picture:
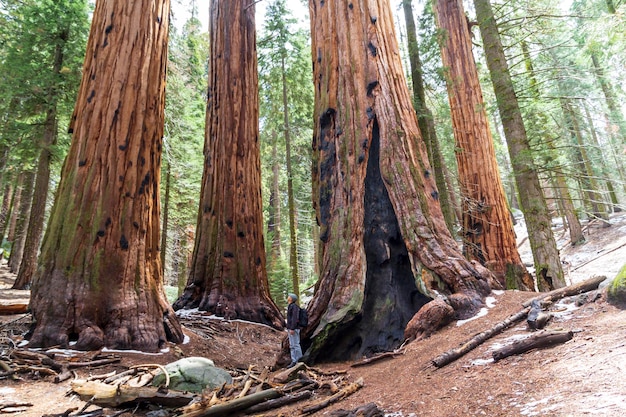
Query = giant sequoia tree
x=385 y=247
x=228 y=275
x=488 y=235
x=532 y=201
x=99 y=280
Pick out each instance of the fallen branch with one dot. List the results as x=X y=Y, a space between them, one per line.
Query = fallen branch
x=376 y=358
x=112 y=396
x=453 y=354
x=349 y=390
x=599 y=256
x=289 y=373
x=581 y=287
x=4 y=406
x=229 y=408
x=280 y=402
x=537 y=341
x=13 y=308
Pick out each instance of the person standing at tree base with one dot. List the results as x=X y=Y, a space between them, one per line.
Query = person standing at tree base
x=293 y=331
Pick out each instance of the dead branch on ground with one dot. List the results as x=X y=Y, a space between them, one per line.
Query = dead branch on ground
x=455 y=353
x=537 y=341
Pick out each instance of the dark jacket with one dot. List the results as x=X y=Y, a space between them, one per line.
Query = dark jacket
x=293 y=312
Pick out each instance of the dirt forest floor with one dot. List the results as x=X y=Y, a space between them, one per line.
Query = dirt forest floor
x=584 y=376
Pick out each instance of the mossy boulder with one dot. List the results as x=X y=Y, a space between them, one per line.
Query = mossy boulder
x=194 y=375
x=617 y=291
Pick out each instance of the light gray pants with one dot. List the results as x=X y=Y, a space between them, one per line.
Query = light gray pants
x=294 y=345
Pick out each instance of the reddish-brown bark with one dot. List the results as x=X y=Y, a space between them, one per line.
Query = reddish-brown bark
x=228 y=275
x=488 y=235
x=385 y=248
x=99 y=281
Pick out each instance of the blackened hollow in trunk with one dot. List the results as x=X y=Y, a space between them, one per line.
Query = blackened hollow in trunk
x=391 y=295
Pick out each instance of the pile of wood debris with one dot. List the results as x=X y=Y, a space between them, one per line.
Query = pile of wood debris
x=251 y=392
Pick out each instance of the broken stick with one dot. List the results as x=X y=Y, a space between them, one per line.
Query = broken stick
x=376 y=358
x=454 y=354
x=349 y=390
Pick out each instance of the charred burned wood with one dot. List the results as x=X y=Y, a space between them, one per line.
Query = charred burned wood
x=537 y=341
x=349 y=390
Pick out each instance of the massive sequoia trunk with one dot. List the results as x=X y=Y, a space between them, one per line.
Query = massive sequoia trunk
x=228 y=275
x=385 y=248
x=533 y=203
x=99 y=281
x=488 y=235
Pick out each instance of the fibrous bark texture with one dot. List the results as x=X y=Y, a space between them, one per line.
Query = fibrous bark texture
x=385 y=248
x=99 y=281
x=532 y=201
x=228 y=275
x=488 y=234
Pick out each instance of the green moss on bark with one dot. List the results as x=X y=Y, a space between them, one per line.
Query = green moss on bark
x=617 y=290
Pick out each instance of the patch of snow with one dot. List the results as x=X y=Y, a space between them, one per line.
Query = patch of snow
x=194 y=313
x=64 y=352
x=564 y=310
x=504 y=342
x=134 y=351
x=490 y=301
x=483 y=312
x=400 y=414
x=186 y=339
x=481 y=362
x=188 y=313
x=529 y=409
x=6 y=390
x=497 y=292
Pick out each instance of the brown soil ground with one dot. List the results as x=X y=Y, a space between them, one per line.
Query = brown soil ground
x=585 y=376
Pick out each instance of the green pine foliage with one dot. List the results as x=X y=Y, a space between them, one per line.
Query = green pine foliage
x=283 y=38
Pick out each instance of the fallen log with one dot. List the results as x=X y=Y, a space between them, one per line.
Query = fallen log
x=114 y=395
x=349 y=390
x=229 y=408
x=537 y=341
x=579 y=288
x=376 y=358
x=289 y=373
x=7 y=309
x=455 y=353
x=280 y=402
x=4 y=406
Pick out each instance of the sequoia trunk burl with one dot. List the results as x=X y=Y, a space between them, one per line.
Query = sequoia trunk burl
x=99 y=280
x=385 y=248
